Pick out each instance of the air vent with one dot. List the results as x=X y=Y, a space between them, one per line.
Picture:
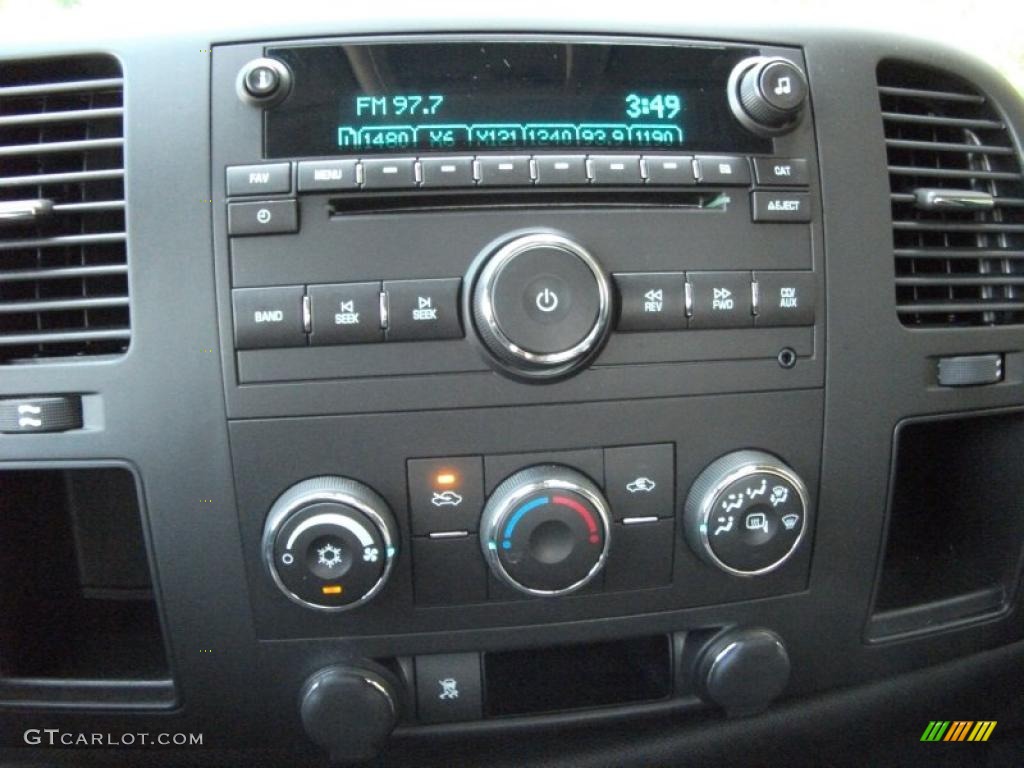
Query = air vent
x=63 y=258
x=957 y=201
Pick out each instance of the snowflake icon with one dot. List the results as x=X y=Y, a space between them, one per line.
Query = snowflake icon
x=329 y=555
x=370 y=554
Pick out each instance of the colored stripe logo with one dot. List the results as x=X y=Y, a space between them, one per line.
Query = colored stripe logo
x=958 y=730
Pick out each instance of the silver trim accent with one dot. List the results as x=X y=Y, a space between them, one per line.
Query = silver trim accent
x=707 y=501
x=688 y=286
x=755 y=297
x=21 y=211
x=417 y=171
x=448 y=535
x=280 y=514
x=953 y=199
x=485 y=298
x=532 y=168
x=307 y=314
x=639 y=520
x=360 y=173
x=494 y=519
x=384 y=309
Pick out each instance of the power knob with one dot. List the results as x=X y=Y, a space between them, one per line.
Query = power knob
x=541 y=304
x=767 y=94
x=329 y=543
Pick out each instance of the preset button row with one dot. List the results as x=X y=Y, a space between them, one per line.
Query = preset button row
x=347 y=313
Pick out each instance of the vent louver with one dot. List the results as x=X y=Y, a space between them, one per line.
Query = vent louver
x=957 y=201
x=63 y=255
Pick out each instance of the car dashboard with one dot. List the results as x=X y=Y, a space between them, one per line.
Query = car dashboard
x=549 y=392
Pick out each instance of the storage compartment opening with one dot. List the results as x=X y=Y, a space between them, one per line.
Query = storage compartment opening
x=75 y=589
x=956 y=522
x=538 y=680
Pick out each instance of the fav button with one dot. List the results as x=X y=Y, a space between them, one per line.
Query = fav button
x=346 y=313
x=259 y=179
x=423 y=309
x=721 y=300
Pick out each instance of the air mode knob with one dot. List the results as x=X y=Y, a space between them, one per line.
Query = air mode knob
x=329 y=543
x=746 y=513
x=545 y=531
x=541 y=305
x=767 y=95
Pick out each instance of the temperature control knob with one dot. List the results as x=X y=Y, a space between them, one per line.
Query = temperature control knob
x=329 y=543
x=767 y=95
x=541 y=305
x=545 y=531
x=746 y=513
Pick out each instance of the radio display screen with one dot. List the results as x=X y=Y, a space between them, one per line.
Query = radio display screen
x=463 y=97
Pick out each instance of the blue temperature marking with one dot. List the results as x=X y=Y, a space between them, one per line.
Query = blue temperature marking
x=538 y=502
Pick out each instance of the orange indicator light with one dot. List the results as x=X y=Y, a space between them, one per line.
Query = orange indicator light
x=444 y=479
x=331 y=589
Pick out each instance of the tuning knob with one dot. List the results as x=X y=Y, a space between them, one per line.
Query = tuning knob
x=767 y=95
x=349 y=710
x=746 y=513
x=545 y=531
x=329 y=543
x=541 y=305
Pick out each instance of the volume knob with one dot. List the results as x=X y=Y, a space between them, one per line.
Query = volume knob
x=767 y=95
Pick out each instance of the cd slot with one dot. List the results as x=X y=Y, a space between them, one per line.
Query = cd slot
x=481 y=199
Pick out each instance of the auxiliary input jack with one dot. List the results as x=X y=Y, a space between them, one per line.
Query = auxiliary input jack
x=787 y=357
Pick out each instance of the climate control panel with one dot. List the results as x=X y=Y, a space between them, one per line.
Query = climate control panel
x=546 y=525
